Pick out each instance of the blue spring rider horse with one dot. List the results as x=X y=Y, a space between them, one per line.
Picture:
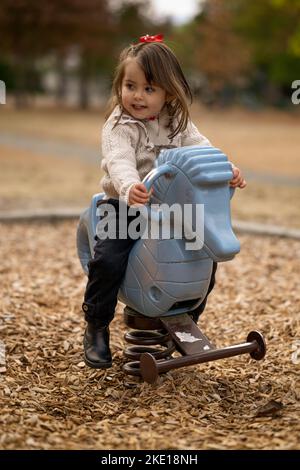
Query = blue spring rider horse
x=167 y=277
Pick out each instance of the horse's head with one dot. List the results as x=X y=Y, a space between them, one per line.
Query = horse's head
x=195 y=176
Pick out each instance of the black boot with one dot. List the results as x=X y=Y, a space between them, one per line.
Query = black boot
x=96 y=347
x=195 y=314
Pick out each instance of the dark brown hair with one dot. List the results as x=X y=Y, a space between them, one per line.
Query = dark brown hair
x=161 y=68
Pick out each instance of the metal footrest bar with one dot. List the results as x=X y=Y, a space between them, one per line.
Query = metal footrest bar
x=150 y=368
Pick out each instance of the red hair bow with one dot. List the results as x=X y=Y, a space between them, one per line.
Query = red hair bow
x=147 y=38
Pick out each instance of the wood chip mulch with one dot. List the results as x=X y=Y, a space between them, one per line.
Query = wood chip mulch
x=50 y=400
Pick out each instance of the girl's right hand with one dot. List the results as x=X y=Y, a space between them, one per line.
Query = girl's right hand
x=238 y=180
x=138 y=194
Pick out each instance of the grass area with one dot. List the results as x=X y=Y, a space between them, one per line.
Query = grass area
x=267 y=203
x=57 y=124
x=29 y=181
x=267 y=142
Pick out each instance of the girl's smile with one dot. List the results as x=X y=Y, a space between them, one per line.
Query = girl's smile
x=139 y=98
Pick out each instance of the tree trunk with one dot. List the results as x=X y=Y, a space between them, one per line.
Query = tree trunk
x=83 y=89
x=21 y=100
x=61 y=90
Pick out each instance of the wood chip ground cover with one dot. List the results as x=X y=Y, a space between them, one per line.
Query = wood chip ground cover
x=51 y=400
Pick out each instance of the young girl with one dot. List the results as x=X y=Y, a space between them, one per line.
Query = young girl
x=148 y=112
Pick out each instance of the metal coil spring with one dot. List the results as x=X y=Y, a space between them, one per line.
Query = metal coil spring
x=145 y=341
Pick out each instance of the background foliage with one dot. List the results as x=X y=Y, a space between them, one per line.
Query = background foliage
x=232 y=50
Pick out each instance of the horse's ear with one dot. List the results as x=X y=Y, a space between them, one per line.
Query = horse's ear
x=157 y=172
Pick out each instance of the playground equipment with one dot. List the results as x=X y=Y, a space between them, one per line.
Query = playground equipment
x=167 y=277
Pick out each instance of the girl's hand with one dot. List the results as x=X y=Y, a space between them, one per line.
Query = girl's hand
x=237 y=180
x=138 y=194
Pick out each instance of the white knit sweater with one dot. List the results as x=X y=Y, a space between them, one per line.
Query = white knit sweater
x=130 y=147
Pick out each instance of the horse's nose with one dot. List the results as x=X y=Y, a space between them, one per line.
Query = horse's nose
x=222 y=244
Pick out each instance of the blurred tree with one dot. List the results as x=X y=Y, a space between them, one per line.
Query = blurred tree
x=238 y=43
x=210 y=46
x=30 y=30
x=134 y=20
x=93 y=34
x=272 y=27
x=19 y=23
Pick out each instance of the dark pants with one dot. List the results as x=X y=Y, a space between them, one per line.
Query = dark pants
x=106 y=272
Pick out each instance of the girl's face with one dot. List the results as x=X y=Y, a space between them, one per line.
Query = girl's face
x=139 y=98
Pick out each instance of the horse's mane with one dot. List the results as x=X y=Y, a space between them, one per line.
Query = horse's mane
x=193 y=159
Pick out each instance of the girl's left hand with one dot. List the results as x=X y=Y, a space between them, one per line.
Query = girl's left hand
x=238 y=179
